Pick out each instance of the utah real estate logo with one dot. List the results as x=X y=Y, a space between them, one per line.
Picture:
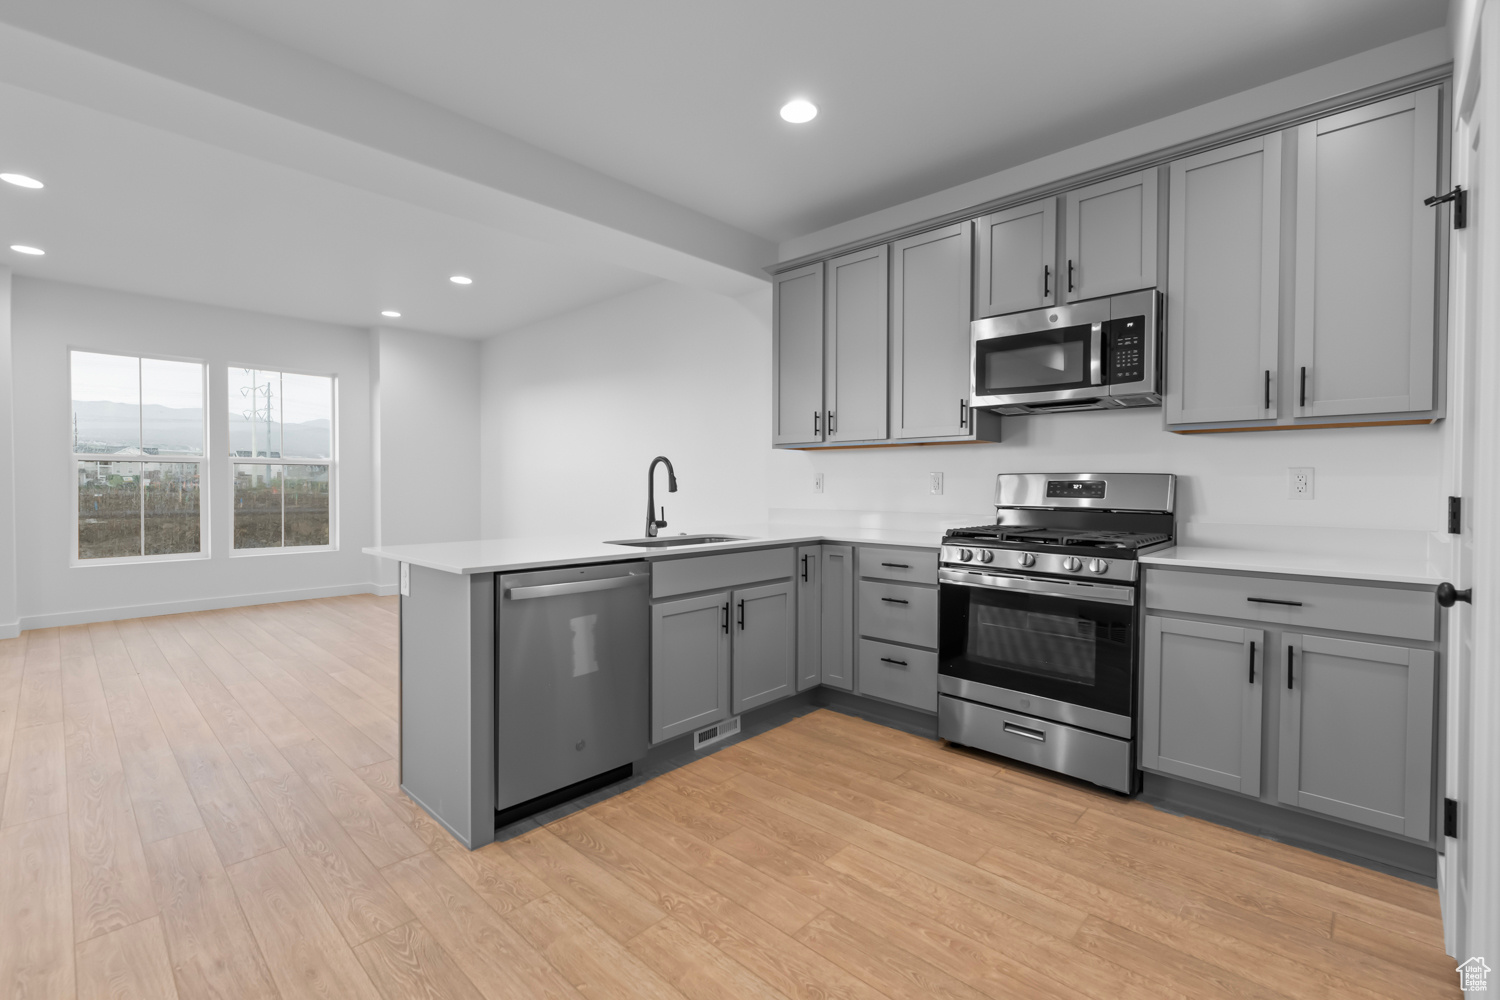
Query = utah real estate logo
x=1474 y=973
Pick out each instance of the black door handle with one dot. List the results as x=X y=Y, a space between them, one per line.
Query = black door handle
x=804 y=569
x=1268 y=390
x=1046 y=280
x=1070 y=275
x=1304 y=385
x=1289 y=651
x=1252 y=661
x=1447 y=595
x=742 y=616
x=817 y=423
x=963 y=413
x=726 y=617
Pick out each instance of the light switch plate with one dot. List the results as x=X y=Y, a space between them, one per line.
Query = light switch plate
x=817 y=482
x=935 y=486
x=1299 y=483
x=406 y=579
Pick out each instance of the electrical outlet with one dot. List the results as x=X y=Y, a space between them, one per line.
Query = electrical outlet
x=935 y=487
x=1300 y=484
x=817 y=482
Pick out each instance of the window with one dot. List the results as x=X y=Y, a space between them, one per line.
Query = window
x=138 y=433
x=281 y=444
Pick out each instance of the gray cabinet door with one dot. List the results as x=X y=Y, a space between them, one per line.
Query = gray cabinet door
x=1366 y=259
x=1357 y=731
x=1015 y=256
x=1111 y=241
x=1223 y=287
x=1201 y=690
x=857 y=345
x=809 y=616
x=689 y=664
x=838 y=616
x=765 y=644
x=930 y=280
x=797 y=356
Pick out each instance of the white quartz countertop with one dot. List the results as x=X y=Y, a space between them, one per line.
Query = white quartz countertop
x=503 y=555
x=1374 y=555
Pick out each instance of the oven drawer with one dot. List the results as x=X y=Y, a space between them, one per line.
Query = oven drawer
x=1299 y=603
x=898 y=613
x=905 y=565
x=1104 y=760
x=898 y=673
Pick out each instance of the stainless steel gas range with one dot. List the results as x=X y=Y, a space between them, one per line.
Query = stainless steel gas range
x=1040 y=621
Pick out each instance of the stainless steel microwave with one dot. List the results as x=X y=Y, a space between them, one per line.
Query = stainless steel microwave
x=1100 y=354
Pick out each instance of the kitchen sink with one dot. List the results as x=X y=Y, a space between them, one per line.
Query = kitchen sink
x=666 y=541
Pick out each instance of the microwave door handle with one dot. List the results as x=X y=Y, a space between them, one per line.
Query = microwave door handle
x=1096 y=352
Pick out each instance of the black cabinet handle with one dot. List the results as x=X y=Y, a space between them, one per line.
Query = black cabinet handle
x=1272 y=600
x=1252 y=661
x=1304 y=385
x=832 y=421
x=887 y=659
x=1447 y=595
x=804 y=569
x=817 y=423
x=963 y=413
x=1289 y=652
x=742 y=616
x=726 y=617
x=1070 y=275
x=1268 y=389
x=896 y=565
x=894 y=600
x=1046 y=280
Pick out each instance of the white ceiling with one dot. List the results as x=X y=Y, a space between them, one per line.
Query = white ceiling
x=332 y=159
x=679 y=97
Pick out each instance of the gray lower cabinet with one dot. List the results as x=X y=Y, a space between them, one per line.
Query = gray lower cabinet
x=1201 y=687
x=690 y=656
x=898 y=626
x=1357 y=731
x=836 y=608
x=764 y=658
x=809 y=616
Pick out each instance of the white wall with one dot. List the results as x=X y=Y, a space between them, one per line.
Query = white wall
x=426 y=437
x=574 y=409
x=9 y=623
x=48 y=319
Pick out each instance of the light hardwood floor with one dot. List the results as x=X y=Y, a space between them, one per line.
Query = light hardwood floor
x=206 y=805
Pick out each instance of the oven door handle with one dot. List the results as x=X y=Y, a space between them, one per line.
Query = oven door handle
x=1104 y=593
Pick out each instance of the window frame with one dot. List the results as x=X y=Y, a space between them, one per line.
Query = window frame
x=203 y=461
x=332 y=462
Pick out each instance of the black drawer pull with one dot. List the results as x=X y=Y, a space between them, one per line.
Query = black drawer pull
x=1289 y=651
x=1252 y=661
x=896 y=565
x=1272 y=600
x=894 y=600
x=899 y=663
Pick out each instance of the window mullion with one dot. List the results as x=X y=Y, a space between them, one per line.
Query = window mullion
x=140 y=437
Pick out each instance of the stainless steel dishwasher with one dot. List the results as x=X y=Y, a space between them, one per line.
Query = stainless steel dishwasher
x=573 y=680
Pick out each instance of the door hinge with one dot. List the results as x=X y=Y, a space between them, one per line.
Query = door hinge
x=1460 y=199
x=1450 y=818
x=1455 y=515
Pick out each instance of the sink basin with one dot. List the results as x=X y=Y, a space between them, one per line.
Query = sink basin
x=665 y=541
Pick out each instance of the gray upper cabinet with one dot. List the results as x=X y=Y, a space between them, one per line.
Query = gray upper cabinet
x=1111 y=237
x=837 y=600
x=1223 y=287
x=690 y=648
x=1015 y=257
x=1357 y=732
x=1366 y=257
x=1201 y=687
x=765 y=644
x=809 y=616
x=797 y=356
x=857 y=335
x=930 y=292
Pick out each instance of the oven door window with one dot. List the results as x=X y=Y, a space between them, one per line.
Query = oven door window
x=1035 y=362
x=1063 y=648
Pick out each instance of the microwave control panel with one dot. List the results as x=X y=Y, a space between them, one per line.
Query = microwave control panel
x=1127 y=350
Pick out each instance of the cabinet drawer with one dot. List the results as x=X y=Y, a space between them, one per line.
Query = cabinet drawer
x=1343 y=607
x=907 y=565
x=898 y=613
x=898 y=673
x=724 y=571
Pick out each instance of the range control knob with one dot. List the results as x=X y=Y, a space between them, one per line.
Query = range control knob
x=1026 y=559
x=986 y=556
x=1072 y=564
x=1098 y=566
x=965 y=555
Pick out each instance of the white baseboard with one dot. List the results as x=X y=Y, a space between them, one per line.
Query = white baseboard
x=203 y=604
x=10 y=631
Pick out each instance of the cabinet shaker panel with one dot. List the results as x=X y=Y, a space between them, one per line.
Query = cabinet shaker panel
x=797 y=362
x=1015 y=259
x=930 y=283
x=1111 y=241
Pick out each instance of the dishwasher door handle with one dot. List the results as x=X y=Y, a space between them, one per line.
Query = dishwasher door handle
x=580 y=587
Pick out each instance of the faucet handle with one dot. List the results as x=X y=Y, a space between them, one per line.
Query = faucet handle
x=662 y=523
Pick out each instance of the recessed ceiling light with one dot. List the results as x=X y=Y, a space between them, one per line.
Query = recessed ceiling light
x=459 y=279
x=21 y=180
x=22 y=248
x=799 y=111
x=393 y=314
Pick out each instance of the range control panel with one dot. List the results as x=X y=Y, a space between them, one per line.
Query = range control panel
x=1127 y=342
